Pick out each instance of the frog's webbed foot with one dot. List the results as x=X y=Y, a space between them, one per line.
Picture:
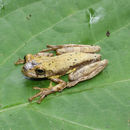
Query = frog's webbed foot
x=43 y=92
x=46 y=91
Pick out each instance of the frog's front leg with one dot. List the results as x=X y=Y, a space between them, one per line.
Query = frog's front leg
x=19 y=61
x=86 y=72
x=46 y=91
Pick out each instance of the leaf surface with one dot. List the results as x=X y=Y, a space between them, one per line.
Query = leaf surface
x=27 y=26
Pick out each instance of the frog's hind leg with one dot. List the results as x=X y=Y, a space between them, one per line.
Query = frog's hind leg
x=86 y=72
x=44 y=54
x=46 y=91
x=60 y=49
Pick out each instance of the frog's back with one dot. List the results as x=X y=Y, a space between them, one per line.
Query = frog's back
x=62 y=63
x=72 y=59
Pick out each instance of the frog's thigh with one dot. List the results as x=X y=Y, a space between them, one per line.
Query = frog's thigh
x=85 y=49
x=86 y=72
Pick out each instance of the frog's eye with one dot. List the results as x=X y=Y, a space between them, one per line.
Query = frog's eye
x=40 y=72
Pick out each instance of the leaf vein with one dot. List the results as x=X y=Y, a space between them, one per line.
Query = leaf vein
x=68 y=121
x=20 y=8
x=114 y=97
x=27 y=103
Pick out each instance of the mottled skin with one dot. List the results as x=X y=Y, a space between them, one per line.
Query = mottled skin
x=72 y=59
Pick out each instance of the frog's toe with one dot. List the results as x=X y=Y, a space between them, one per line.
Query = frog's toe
x=38 y=94
x=41 y=98
x=43 y=92
x=36 y=88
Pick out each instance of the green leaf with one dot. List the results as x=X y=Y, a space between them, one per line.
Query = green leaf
x=27 y=26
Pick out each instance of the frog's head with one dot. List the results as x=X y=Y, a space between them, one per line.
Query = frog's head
x=33 y=67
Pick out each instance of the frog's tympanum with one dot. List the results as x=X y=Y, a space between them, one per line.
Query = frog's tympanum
x=80 y=62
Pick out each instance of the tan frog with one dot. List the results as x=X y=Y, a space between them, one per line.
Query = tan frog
x=79 y=61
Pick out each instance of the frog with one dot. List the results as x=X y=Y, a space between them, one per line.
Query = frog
x=79 y=62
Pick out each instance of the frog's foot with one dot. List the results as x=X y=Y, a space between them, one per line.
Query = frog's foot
x=46 y=91
x=43 y=92
x=19 y=61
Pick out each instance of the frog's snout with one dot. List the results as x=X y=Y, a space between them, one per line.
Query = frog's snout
x=28 y=69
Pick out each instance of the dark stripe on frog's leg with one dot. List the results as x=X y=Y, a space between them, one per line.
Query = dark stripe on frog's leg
x=86 y=72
